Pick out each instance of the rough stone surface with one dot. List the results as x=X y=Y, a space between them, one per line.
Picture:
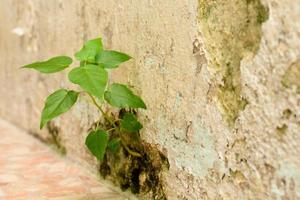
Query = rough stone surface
x=217 y=149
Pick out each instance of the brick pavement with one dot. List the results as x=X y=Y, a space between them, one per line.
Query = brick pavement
x=29 y=170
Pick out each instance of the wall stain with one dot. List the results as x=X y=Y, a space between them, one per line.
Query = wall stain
x=54 y=139
x=291 y=77
x=287 y=113
x=232 y=31
x=53 y=130
x=281 y=130
x=238 y=177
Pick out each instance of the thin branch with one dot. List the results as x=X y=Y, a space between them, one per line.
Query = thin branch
x=101 y=110
x=111 y=129
x=133 y=153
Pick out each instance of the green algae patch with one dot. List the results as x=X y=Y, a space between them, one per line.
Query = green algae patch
x=231 y=31
x=143 y=175
x=291 y=77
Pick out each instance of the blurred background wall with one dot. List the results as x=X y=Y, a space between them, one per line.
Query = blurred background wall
x=221 y=80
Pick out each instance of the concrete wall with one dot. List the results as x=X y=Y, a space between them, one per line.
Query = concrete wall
x=221 y=80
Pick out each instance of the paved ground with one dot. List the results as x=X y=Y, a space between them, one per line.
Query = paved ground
x=31 y=171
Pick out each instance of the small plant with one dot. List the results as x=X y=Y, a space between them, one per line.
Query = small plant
x=92 y=77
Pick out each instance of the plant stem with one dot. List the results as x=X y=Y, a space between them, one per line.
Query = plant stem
x=117 y=120
x=136 y=154
x=111 y=129
x=101 y=110
x=133 y=153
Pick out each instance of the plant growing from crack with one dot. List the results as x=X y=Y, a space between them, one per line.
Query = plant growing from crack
x=92 y=77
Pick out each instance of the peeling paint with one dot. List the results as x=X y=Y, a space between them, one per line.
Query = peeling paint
x=196 y=156
x=228 y=40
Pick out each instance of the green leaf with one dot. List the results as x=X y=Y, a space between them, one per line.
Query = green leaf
x=91 y=78
x=96 y=142
x=114 y=144
x=89 y=51
x=82 y=63
x=111 y=59
x=57 y=103
x=52 y=65
x=130 y=123
x=120 y=96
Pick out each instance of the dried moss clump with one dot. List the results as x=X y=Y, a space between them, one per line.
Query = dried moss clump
x=142 y=175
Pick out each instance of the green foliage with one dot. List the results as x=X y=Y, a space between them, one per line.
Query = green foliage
x=96 y=141
x=92 y=77
x=120 y=96
x=58 y=103
x=89 y=51
x=52 y=65
x=130 y=123
x=114 y=144
x=111 y=59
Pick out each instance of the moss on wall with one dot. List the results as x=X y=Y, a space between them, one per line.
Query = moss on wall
x=142 y=175
x=231 y=30
x=291 y=77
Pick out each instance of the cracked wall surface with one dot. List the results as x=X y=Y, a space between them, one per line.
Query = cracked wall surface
x=220 y=80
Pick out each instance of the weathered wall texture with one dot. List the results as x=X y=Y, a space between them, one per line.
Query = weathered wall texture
x=221 y=80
